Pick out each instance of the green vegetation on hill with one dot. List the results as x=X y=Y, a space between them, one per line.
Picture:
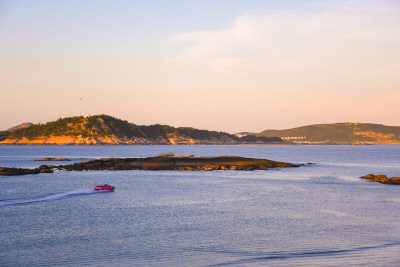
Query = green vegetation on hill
x=157 y=130
x=107 y=126
x=4 y=135
x=59 y=127
x=101 y=126
x=349 y=133
x=91 y=126
x=255 y=139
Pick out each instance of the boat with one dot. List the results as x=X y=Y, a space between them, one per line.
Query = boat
x=105 y=187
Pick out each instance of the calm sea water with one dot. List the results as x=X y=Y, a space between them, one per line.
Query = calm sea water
x=316 y=215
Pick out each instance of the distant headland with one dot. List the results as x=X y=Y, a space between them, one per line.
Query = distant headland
x=337 y=133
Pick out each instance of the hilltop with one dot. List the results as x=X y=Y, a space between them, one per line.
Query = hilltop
x=341 y=133
x=104 y=129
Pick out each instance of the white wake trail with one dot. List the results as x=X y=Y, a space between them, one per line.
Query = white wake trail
x=57 y=196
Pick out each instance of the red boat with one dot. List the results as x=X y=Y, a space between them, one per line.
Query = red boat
x=105 y=187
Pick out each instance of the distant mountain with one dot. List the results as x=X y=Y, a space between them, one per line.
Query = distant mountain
x=104 y=129
x=5 y=134
x=342 y=133
x=20 y=126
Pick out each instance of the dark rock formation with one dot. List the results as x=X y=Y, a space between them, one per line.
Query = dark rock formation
x=52 y=159
x=381 y=178
x=21 y=171
x=176 y=163
x=45 y=169
x=168 y=162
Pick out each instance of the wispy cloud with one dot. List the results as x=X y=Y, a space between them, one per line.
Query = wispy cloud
x=330 y=37
x=328 y=61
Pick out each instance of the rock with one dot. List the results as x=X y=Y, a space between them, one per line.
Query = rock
x=22 y=171
x=46 y=169
x=381 y=178
x=368 y=176
x=17 y=171
x=52 y=159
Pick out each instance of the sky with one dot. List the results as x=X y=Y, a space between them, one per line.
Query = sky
x=223 y=65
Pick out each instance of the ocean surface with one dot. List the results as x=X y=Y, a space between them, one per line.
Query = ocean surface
x=320 y=214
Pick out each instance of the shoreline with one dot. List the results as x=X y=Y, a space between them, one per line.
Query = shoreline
x=230 y=144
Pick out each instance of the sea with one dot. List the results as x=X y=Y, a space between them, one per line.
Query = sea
x=320 y=214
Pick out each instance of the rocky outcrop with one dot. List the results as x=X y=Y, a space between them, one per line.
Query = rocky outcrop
x=167 y=162
x=381 y=178
x=114 y=140
x=21 y=171
x=179 y=163
x=52 y=159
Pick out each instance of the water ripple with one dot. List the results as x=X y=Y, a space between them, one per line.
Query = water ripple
x=281 y=255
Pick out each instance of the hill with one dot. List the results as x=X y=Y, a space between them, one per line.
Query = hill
x=342 y=133
x=104 y=129
x=5 y=134
x=20 y=126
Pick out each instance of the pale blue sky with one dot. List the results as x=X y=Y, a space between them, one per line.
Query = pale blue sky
x=229 y=65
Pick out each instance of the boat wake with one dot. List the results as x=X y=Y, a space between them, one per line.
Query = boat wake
x=57 y=196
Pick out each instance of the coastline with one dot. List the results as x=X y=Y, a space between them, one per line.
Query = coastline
x=195 y=144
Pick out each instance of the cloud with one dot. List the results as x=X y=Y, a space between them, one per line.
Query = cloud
x=337 y=37
x=328 y=61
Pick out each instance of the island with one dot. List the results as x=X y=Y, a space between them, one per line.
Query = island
x=107 y=130
x=162 y=162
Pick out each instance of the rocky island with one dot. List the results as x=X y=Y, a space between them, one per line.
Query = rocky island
x=161 y=162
